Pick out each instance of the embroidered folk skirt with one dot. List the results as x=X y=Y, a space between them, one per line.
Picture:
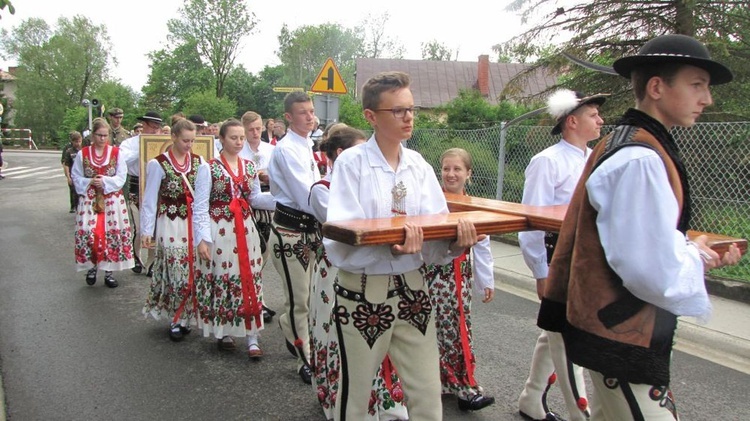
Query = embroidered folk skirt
x=170 y=290
x=454 y=350
x=219 y=287
x=116 y=249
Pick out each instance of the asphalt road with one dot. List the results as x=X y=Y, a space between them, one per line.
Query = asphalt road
x=73 y=352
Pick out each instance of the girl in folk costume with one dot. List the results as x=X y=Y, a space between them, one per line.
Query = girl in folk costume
x=167 y=206
x=103 y=235
x=450 y=291
x=386 y=399
x=229 y=284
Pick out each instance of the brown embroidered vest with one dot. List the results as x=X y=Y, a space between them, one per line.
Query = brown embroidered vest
x=605 y=327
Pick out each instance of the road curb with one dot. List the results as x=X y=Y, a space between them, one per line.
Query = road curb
x=20 y=150
x=691 y=337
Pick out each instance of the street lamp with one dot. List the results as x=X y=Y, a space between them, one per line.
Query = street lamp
x=94 y=103
x=87 y=103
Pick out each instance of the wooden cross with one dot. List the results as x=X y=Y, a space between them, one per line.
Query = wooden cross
x=489 y=216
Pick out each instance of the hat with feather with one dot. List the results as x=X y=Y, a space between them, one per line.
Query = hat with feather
x=565 y=102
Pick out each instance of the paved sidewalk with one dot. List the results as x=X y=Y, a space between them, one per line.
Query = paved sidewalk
x=725 y=339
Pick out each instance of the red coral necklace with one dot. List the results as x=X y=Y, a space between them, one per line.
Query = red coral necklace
x=183 y=168
x=99 y=160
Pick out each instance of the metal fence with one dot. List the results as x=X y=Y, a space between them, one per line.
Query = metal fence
x=717 y=157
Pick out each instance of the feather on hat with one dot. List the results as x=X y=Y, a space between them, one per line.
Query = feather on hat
x=564 y=102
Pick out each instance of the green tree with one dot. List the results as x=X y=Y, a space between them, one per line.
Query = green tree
x=113 y=94
x=11 y=9
x=216 y=29
x=304 y=51
x=211 y=107
x=255 y=93
x=350 y=112
x=175 y=75
x=435 y=51
x=605 y=30
x=57 y=68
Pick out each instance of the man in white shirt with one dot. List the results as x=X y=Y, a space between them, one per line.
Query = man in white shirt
x=294 y=236
x=130 y=149
x=551 y=177
x=623 y=269
x=382 y=299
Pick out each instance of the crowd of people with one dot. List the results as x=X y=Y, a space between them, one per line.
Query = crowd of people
x=381 y=332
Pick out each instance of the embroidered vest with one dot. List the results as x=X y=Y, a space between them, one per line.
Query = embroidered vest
x=608 y=329
x=173 y=192
x=221 y=190
x=90 y=170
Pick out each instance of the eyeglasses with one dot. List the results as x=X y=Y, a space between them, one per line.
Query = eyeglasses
x=400 y=112
x=101 y=135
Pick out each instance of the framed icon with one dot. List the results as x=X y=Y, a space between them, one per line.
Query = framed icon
x=153 y=145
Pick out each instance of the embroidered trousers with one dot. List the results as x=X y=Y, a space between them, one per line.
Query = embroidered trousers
x=292 y=253
x=397 y=320
x=613 y=400
x=550 y=358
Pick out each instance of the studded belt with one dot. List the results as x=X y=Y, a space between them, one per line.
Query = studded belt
x=295 y=220
x=360 y=296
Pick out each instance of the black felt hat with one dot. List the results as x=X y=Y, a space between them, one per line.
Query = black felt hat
x=151 y=116
x=674 y=48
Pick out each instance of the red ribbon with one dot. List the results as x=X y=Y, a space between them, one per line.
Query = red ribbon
x=388 y=373
x=250 y=302
x=191 y=256
x=458 y=277
x=238 y=206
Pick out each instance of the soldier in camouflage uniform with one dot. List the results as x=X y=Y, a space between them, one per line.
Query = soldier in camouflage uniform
x=68 y=155
x=118 y=133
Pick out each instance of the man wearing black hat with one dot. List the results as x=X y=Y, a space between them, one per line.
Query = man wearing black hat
x=551 y=177
x=117 y=133
x=623 y=270
x=200 y=124
x=130 y=149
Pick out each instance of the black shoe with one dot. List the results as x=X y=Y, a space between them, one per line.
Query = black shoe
x=175 y=333
x=138 y=268
x=475 y=403
x=91 y=277
x=551 y=416
x=185 y=330
x=109 y=280
x=268 y=314
x=150 y=270
x=72 y=211
x=305 y=374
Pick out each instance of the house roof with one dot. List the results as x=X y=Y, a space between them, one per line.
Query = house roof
x=6 y=77
x=434 y=83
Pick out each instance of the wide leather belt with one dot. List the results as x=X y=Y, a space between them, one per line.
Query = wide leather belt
x=295 y=220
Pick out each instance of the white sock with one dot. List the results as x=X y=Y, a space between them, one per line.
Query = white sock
x=252 y=339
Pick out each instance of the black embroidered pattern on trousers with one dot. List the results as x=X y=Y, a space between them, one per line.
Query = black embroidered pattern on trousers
x=372 y=320
x=415 y=310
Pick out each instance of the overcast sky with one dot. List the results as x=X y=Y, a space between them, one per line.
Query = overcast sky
x=136 y=27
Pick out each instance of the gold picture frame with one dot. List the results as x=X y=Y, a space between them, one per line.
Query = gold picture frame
x=153 y=145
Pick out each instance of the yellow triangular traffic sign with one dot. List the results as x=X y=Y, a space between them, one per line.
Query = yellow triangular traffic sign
x=329 y=80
